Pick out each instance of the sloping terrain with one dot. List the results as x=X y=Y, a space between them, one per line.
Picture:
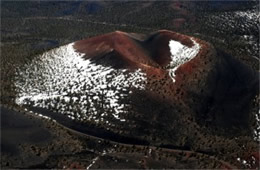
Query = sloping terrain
x=105 y=69
x=144 y=89
x=186 y=103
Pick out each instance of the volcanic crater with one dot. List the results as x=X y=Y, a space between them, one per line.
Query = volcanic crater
x=164 y=88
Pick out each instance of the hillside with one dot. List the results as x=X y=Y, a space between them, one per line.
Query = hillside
x=143 y=89
x=176 y=86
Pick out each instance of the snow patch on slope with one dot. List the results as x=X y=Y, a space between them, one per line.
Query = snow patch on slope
x=180 y=54
x=250 y=14
x=257 y=129
x=62 y=81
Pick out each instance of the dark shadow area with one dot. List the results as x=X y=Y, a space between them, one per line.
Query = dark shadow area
x=89 y=129
x=226 y=100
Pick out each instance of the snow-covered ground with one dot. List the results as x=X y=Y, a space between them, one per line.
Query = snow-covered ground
x=61 y=80
x=180 y=54
x=241 y=25
x=257 y=130
x=253 y=15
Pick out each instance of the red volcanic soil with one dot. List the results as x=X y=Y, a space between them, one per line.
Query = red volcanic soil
x=116 y=41
x=150 y=53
